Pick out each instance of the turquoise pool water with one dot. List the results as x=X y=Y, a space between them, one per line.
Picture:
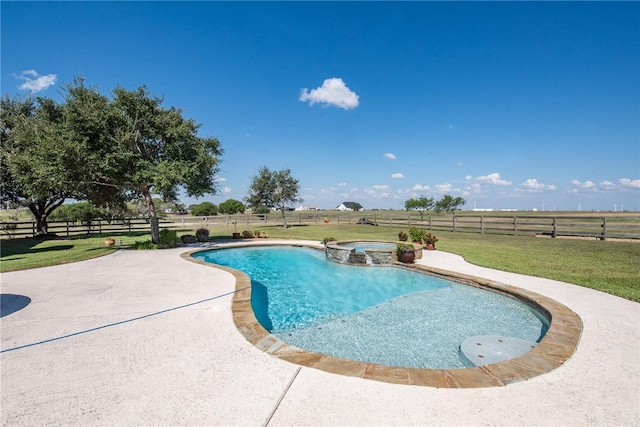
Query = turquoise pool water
x=361 y=246
x=382 y=315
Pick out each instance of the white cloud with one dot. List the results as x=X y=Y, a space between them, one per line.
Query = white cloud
x=459 y=164
x=491 y=179
x=444 y=188
x=532 y=185
x=332 y=92
x=33 y=82
x=342 y=184
x=586 y=185
x=628 y=183
x=390 y=156
x=397 y=175
x=420 y=187
x=226 y=190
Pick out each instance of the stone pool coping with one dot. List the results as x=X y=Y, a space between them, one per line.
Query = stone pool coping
x=556 y=347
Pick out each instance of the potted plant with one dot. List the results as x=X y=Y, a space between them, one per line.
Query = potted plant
x=109 y=241
x=406 y=252
x=402 y=236
x=416 y=234
x=236 y=235
x=256 y=233
x=430 y=241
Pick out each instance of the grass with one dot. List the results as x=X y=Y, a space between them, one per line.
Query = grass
x=608 y=266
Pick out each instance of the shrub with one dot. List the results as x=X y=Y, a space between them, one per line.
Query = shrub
x=429 y=239
x=188 y=238
x=247 y=234
x=402 y=236
x=202 y=234
x=204 y=209
x=169 y=238
x=147 y=244
x=327 y=240
x=416 y=234
x=404 y=247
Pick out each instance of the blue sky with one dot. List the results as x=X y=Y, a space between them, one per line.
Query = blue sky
x=510 y=105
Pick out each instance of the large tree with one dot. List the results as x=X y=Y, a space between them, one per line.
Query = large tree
x=140 y=147
x=273 y=189
x=421 y=204
x=40 y=163
x=231 y=206
x=449 y=203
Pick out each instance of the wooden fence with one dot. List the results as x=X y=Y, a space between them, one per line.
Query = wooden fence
x=595 y=226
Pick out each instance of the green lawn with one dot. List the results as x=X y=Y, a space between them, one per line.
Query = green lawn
x=609 y=266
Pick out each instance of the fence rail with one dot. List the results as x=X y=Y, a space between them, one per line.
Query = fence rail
x=596 y=226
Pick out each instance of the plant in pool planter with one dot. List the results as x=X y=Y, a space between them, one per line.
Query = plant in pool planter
x=256 y=233
x=327 y=240
x=247 y=234
x=430 y=241
x=416 y=234
x=402 y=236
x=406 y=252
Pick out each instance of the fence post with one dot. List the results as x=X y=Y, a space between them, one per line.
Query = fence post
x=454 y=222
x=33 y=229
x=515 y=225
x=481 y=224
x=554 y=232
x=604 y=228
x=429 y=222
x=67 y=228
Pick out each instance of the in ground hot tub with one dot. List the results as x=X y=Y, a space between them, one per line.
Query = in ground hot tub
x=370 y=253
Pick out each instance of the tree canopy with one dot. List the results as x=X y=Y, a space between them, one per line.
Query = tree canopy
x=103 y=149
x=39 y=161
x=204 y=209
x=273 y=189
x=449 y=203
x=421 y=204
x=231 y=206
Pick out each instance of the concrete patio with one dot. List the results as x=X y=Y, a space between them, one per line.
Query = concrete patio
x=148 y=338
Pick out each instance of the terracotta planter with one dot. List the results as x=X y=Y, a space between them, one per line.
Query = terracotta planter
x=236 y=235
x=431 y=247
x=407 y=257
x=109 y=242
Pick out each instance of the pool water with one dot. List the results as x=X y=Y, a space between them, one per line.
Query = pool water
x=383 y=315
x=361 y=246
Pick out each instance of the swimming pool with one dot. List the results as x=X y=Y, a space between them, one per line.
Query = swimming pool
x=385 y=315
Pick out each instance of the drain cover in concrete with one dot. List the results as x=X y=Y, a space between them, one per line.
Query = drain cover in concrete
x=486 y=349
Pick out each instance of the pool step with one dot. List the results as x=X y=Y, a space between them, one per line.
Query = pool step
x=486 y=349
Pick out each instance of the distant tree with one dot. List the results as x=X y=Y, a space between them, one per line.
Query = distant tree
x=231 y=206
x=356 y=206
x=204 y=209
x=273 y=190
x=421 y=204
x=261 y=210
x=140 y=148
x=449 y=203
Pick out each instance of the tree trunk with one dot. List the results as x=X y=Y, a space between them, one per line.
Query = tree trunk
x=153 y=219
x=40 y=210
x=284 y=218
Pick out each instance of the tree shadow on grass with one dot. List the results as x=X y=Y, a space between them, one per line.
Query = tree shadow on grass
x=10 y=250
